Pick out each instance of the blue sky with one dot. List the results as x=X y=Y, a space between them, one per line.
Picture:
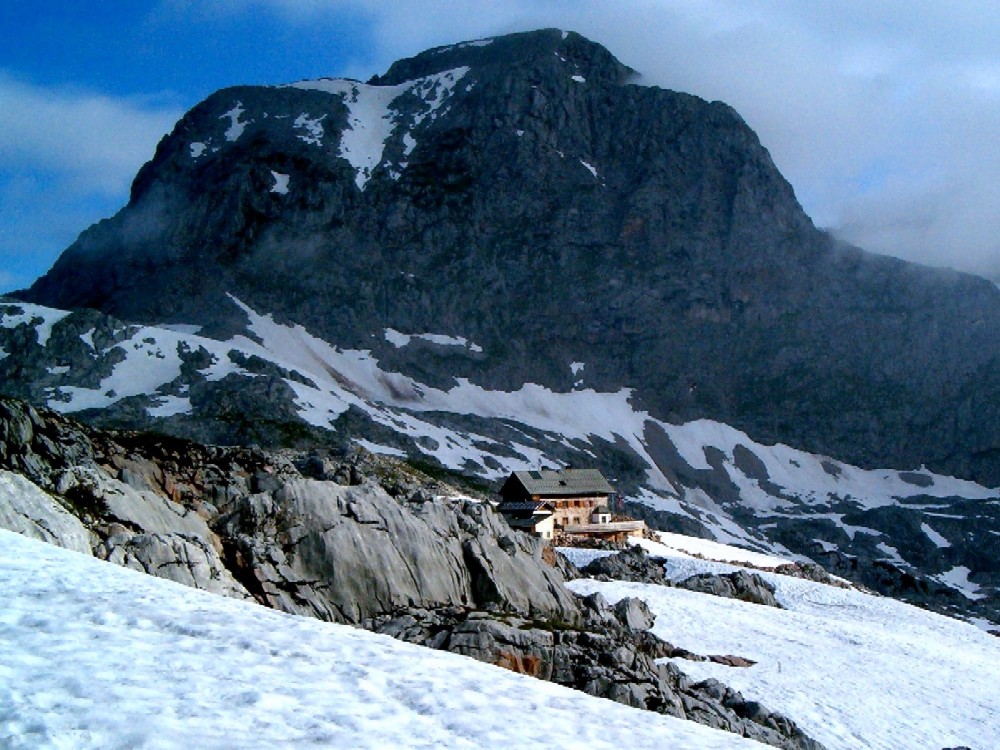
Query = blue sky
x=128 y=71
x=885 y=117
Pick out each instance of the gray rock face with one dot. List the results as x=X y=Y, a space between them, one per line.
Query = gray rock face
x=117 y=502
x=747 y=587
x=26 y=509
x=349 y=553
x=531 y=198
x=183 y=558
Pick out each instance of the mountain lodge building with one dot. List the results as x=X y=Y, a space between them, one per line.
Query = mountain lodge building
x=571 y=501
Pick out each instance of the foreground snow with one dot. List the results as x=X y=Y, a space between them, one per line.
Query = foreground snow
x=854 y=670
x=96 y=656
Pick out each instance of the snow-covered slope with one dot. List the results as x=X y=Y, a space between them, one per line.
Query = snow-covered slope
x=96 y=656
x=856 y=671
x=700 y=476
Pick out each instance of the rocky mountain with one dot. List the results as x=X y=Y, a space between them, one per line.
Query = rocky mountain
x=509 y=252
x=520 y=193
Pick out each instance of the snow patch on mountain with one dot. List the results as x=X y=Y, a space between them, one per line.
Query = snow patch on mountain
x=815 y=480
x=369 y=122
x=179 y=327
x=372 y=119
x=958 y=578
x=679 y=545
x=384 y=450
x=170 y=406
x=463 y=45
x=934 y=536
x=312 y=127
x=399 y=340
x=236 y=127
x=280 y=183
x=41 y=318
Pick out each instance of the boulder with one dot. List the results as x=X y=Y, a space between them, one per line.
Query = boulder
x=634 y=613
x=631 y=564
x=747 y=587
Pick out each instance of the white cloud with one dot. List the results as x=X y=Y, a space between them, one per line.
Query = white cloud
x=67 y=159
x=94 y=141
x=885 y=117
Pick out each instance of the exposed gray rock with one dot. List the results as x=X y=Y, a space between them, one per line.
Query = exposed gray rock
x=28 y=510
x=634 y=613
x=747 y=587
x=631 y=564
x=183 y=558
x=348 y=553
x=143 y=510
x=602 y=657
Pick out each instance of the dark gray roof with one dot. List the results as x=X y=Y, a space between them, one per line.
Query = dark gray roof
x=564 y=482
x=523 y=506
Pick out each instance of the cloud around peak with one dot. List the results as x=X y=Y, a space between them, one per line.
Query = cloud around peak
x=885 y=117
x=67 y=158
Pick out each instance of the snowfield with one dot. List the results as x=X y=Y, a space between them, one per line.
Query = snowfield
x=93 y=656
x=855 y=671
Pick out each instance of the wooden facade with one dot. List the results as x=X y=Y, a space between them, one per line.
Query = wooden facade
x=576 y=497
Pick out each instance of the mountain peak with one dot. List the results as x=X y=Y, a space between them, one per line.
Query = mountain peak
x=511 y=192
x=530 y=48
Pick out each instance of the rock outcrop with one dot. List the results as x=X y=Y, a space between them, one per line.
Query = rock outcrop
x=183 y=558
x=606 y=655
x=347 y=553
x=247 y=523
x=28 y=510
x=740 y=584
